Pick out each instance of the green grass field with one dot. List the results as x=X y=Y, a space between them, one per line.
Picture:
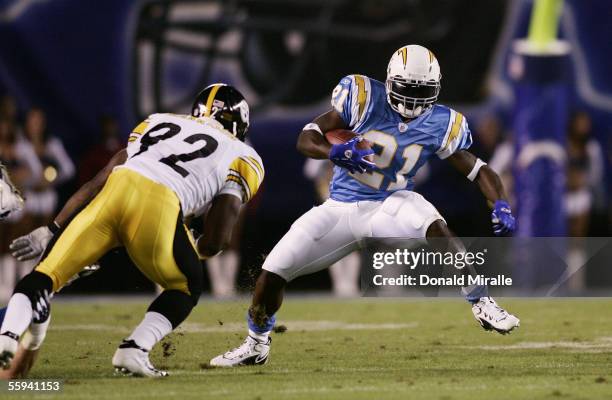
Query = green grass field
x=354 y=349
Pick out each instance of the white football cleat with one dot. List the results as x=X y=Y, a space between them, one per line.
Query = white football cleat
x=10 y=197
x=492 y=317
x=250 y=352
x=132 y=360
x=8 y=348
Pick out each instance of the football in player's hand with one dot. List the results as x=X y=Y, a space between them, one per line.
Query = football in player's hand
x=338 y=136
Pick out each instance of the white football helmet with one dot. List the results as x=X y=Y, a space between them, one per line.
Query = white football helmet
x=413 y=80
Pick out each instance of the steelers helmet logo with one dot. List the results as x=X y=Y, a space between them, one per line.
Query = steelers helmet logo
x=226 y=105
x=244 y=111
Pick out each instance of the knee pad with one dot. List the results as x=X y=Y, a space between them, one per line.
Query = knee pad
x=38 y=288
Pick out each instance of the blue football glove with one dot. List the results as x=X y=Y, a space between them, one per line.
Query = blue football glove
x=503 y=221
x=347 y=155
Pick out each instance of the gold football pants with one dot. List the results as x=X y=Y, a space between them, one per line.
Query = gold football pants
x=141 y=215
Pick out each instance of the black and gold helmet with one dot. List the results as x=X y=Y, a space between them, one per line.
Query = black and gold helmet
x=225 y=104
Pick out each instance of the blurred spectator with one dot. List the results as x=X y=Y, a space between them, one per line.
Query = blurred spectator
x=100 y=154
x=8 y=110
x=25 y=169
x=56 y=166
x=585 y=186
x=345 y=272
x=46 y=156
x=585 y=168
x=18 y=156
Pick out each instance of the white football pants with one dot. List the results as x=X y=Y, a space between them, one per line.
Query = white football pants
x=334 y=229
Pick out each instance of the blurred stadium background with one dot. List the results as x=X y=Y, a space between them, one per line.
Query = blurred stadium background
x=76 y=77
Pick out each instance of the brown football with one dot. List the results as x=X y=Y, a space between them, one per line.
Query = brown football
x=338 y=136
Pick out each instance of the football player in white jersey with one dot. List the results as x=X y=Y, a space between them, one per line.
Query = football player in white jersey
x=375 y=199
x=174 y=167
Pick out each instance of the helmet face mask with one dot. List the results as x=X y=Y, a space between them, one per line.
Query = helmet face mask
x=226 y=105
x=413 y=81
x=410 y=99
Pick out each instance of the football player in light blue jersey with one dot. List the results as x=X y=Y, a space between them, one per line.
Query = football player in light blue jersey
x=405 y=126
x=402 y=146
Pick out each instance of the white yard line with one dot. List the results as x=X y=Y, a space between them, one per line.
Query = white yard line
x=597 y=345
x=292 y=326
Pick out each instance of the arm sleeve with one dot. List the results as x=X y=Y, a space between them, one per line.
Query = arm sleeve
x=351 y=98
x=244 y=177
x=457 y=136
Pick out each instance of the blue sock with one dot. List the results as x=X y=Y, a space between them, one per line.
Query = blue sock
x=261 y=329
x=476 y=293
x=2 y=313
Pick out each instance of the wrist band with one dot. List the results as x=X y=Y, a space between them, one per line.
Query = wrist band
x=312 y=127
x=54 y=227
x=474 y=172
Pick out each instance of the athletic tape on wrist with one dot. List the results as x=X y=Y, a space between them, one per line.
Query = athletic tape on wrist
x=35 y=336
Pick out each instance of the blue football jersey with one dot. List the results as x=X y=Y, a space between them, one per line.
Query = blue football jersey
x=400 y=148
